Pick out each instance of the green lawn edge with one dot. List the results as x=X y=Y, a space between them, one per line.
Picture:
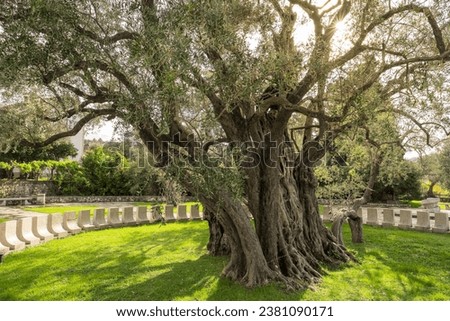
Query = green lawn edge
x=170 y=262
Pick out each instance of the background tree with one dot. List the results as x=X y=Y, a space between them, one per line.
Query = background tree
x=190 y=75
x=444 y=162
x=55 y=151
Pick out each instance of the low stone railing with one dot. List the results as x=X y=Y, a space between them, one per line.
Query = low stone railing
x=420 y=219
x=16 y=235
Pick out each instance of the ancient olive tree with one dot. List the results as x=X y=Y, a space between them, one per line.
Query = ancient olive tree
x=198 y=78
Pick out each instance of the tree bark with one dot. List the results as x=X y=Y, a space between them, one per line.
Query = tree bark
x=281 y=197
x=247 y=263
x=336 y=227
x=430 y=192
x=288 y=242
x=355 y=222
x=356 y=227
x=218 y=242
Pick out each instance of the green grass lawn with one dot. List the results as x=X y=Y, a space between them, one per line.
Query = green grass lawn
x=175 y=209
x=59 y=209
x=170 y=262
x=3 y=220
x=418 y=203
x=65 y=208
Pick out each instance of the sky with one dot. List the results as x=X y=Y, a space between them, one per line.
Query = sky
x=104 y=130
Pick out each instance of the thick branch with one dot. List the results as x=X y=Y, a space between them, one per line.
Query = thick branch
x=75 y=129
x=358 y=48
x=121 y=35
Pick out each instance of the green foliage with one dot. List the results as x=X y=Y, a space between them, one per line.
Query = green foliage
x=26 y=154
x=5 y=166
x=394 y=265
x=69 y=178
x=398 y=178
x=406 y=186
x=444 y=162
x=105 y=172
x=144 y=180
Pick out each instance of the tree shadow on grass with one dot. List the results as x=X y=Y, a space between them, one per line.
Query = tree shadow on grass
x=86 y=267
x=161 y=263
x=403 y=265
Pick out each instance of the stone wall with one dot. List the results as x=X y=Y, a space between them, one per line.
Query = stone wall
x=24 y=188
x=102 y=199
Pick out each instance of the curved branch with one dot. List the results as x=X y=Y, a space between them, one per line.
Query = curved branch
x=121 y=35
x=75 y=129
x=358 y=48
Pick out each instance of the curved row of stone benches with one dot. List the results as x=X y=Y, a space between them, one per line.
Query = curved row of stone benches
x=17 y=234
x=420 y=219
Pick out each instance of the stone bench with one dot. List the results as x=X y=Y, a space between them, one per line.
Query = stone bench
x=128 y=216
x=25 y=232
x=20 y=200
x=84 y=220
x=156 y=213
x=8 y=236
x=182 y=213
x=55 y=226
x=388 y=217
x=423 y=221
x=39 y=228
x=70 y=223
x=168 y=213
x=113 y=217
x=195 y=212
x=441 y=224
x=99 y=220
x=372 y=216
x=142 y=216
x=38 y=199
x=405 y=220
x=3 y=251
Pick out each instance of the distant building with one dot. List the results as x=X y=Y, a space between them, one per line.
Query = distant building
x=77 y=141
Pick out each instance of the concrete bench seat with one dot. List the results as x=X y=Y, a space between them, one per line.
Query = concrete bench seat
x=372 y=217
x=3 y=250
x=40 y=229
x=20 y=200
x=25 y=232
x=423 y=221
x=388 y=218
x=25 y=200
x=8 y=236
x=441 y=224
x=70 y=222
x=168 y=213
x=99 y=220
x=84 y=220
x=156 y=213
x=195 y=212
x=405 y=220
x=55 y=226
x=142 y=215
x=113 y=217
x=182 y=213
x=128 y=218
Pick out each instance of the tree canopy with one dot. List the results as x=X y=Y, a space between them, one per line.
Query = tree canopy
x=274 y=81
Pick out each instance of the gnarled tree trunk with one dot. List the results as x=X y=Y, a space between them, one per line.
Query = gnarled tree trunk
x=218 y=244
